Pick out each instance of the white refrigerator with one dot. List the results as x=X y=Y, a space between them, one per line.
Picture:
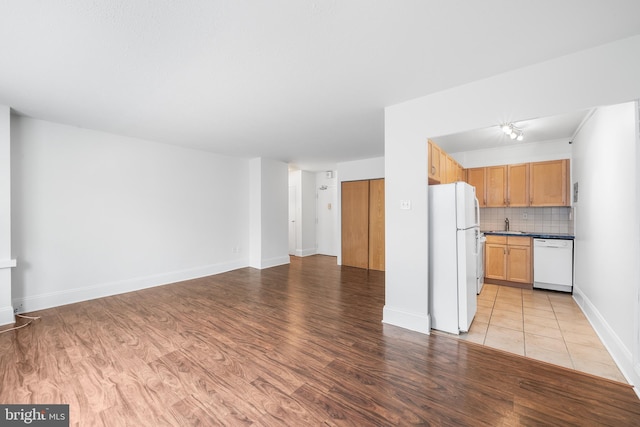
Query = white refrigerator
x=454 y=232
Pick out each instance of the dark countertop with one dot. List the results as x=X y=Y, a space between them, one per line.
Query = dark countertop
x=534 y=234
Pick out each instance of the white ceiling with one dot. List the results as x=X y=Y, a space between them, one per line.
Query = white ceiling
x=561 y=128
x=302 y=81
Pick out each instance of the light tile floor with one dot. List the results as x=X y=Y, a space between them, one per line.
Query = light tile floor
x=543 y=325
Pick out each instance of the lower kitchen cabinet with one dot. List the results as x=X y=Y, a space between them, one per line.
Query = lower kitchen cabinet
x=519 y=259
x=508 y=258
x=496 y=258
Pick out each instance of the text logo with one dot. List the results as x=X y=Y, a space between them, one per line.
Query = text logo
x=34 y=415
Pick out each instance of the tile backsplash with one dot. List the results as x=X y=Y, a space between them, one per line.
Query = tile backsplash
x=541 y=220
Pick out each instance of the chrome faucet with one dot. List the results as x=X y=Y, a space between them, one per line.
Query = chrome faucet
x=506 y=224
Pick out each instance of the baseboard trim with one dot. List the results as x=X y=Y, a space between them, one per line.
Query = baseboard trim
x=620 y=353
x=305 y=252
x=412 y=321
x=274 y=262
x=70 y=296
x=6 y=316
x=508 y=283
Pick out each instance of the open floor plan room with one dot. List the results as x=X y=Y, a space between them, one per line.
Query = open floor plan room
x=298 y=344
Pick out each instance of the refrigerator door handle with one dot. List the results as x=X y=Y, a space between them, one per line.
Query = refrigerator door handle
x=477 y=252
x=477 y=206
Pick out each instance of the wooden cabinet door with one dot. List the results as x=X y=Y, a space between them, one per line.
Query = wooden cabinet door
x=549 y=183
x=476 y=178
x=462 y=176
x=430 y=169
x=452 y=170
x=496 y=181
x=495 y=261
x=443 y=166
x=355 y=223
x=435 y=167
x=376 y=224
x=518 y=185
x=519 y=264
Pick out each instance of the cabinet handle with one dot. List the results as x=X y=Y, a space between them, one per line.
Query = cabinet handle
x=433 y=170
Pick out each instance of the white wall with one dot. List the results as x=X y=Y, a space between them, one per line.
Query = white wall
x=355 y=171
x=601 y=76
x=98 y=214
x=269 y=228
x=517 y=153
x=361 y=169
x=6 y=262
x=326 y=228
x=606 y=245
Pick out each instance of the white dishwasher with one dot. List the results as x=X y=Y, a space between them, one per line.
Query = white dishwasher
x=553 y=264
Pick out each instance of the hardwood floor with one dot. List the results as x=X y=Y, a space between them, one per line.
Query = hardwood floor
x=293 y=345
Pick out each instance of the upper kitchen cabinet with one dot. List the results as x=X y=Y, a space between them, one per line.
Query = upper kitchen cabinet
x=507 y=185
x=435 y=165
x=496 y=191
x=462 y=176
x=451 y=170
x=443 y=168
x=549 y=183
x=476 y=177
x=518 y=185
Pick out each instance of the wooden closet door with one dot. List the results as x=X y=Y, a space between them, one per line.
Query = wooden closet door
x=355 y=224
x=376 y=224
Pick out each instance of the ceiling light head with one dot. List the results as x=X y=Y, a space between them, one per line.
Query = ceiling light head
x=512 y=131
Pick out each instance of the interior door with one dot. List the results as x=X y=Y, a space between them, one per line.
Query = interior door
x=292 y=220
x=376 y=224
x=355 y=223
x=326 y=220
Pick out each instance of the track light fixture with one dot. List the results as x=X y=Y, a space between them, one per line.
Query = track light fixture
x=513 y=131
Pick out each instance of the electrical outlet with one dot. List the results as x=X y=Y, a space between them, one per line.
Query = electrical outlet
x=17 y=308
x=524 y=215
